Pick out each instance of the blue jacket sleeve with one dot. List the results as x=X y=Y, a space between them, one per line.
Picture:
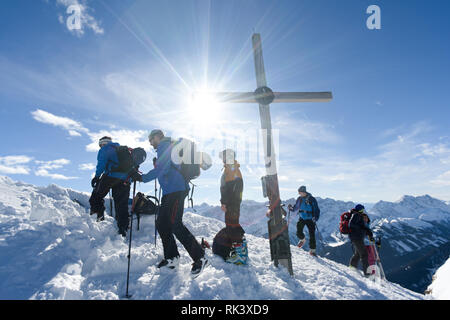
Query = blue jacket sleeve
x=162 y=166
x=102 y=160
x=297 y=205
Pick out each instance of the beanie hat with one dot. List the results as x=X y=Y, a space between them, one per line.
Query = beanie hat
x=359 y=207
x=104 y=140
x=155 y=132
x=302 y=189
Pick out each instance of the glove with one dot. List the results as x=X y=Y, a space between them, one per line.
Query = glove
x=95 y=181
x=136 y=176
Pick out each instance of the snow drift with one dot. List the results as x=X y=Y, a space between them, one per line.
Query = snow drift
x=440 y=288
x=50 y=248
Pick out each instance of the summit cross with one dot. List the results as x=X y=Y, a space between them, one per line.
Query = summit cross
x=264 y=96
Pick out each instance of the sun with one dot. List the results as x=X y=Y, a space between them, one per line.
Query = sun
x=204 y=109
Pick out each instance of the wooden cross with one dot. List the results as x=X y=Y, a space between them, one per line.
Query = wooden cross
x=277 y=225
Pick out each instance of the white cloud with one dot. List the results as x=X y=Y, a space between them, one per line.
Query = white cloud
x=13 y=160
x=86 y=166
x=14 y=170
x=130 y=138
x=442 y=180
x=86 y=19
x=15 y=164
x=73 y=127
x=53 y=164
x=45 y=166
x=54 y=176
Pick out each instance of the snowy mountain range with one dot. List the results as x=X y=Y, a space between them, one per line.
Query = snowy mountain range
x=415 y=233
x=50 y=248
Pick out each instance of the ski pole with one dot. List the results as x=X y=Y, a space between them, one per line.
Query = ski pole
x=320 y=235
x=157 y=213
x=129 y=244
x=156 y=190
x=110 y=204
x=377 y=256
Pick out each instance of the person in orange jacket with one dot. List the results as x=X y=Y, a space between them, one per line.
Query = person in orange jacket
x=231 y=188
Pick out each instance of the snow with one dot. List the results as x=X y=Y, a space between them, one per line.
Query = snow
x=50 y=248
x=440 y=288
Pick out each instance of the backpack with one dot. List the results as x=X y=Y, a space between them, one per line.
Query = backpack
x=143 y=205
x=231 y=251
x=185 y=153
x=343 y=224
x=129 y=158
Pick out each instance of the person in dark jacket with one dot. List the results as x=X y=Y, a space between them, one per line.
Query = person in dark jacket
x=231 y=188
x=170 y=219
x=359 y=229
x=106 y=179
x=309 y=215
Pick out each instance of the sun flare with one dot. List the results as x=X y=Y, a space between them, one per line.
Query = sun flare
x=204 y=109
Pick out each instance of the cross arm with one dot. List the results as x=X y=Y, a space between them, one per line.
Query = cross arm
x=280 y=97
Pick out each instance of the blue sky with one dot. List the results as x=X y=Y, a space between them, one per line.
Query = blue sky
x=134 y=65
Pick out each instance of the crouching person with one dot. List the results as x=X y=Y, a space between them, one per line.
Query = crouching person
x=107 y=178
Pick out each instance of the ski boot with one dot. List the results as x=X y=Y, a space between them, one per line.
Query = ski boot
x=301 y=243
x=169 y=263
x=198 y=266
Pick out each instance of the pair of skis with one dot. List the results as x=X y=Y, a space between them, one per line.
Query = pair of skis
x=378 y=266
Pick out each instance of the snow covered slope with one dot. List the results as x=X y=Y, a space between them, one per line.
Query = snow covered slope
x=440 y=288
x=415 y=234
x=50 y=248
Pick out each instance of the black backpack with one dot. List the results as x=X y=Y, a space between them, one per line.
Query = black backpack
x=143 y=204
x=129 y=159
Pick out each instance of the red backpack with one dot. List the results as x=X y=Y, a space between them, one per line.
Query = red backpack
x=343 y=224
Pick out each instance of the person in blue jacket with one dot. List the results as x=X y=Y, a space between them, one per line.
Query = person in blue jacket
x=170 y=219
x=107 y=178
x=309 y=214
